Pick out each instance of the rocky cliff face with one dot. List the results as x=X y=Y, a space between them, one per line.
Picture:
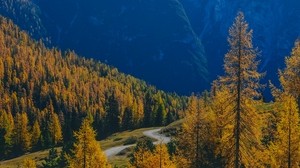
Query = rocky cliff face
x=275 y=24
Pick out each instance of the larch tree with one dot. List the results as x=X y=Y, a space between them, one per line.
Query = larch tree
x=87 y=152
x=158 y=158
x=241 y=135
x=22 y=137
x=290 y=76
x=286 y=147
x=196 y=138
x=29 y=163
x=55 y=128
x=36 y=133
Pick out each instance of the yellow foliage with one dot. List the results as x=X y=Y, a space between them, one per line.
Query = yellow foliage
x=55 y=128
x=241 y=125
x=87 y=151
x=286 y=148
x=36 y=133
x=160 y=158
x=22 y=137
x=290 y=76
x=29 y=163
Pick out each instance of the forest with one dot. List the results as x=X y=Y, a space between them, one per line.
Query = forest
x=45 y=94
x=49 y=98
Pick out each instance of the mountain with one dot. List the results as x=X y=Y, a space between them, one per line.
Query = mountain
x=275 y=24
x=150 y=39
x=177 y=45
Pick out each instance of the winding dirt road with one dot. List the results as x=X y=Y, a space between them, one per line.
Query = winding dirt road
x=150 y=133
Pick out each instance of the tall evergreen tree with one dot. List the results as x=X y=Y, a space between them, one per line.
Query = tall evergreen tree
x=6 y=131
x=113 y=114
x=242 y=80
x=160 y=114
x=127 y=119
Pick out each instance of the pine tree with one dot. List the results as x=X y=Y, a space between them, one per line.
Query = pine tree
x=127 y=119
x=290 y=76
x=52 y=161
x=160 y=115
x=87 y=152
x=242 y=80
x=6 y=130
x=286 y=148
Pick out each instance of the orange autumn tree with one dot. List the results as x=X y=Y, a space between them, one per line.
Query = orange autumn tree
x=241 y=134
x=290 y=76
x=29 y=163
x=196 y=140
x=87 y=152
x=22 y=137
x=285 y=150
x=158 y=158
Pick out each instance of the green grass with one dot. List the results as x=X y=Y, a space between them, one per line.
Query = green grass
x=122 y=138
x=173 y=128
x=37 y=156
x=116 y=139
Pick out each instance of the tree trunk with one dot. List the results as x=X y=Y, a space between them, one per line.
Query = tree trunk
x=238 y=112
x=289 y=137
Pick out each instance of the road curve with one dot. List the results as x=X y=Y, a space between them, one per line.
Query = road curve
x=150 y=133
x=156 y=135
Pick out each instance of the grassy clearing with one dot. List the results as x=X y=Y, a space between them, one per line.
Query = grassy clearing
x=121 y=138
x=173 y=128
x=116 y=139
x=17 y=162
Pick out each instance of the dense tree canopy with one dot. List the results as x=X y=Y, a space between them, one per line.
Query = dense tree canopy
x=49 y=93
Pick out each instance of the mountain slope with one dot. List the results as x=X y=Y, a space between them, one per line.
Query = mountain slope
x=275 y=24
x=150 y=39
x=159 y=40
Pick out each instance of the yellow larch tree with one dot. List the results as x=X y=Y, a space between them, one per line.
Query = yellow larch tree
x=286 y=147
x=36 y=133
x=196 y=141
x=54 y=126
x=241 y=134
x=22 y=137
x=290 y=76
x=159 y=158
x=28 y=163
x=87 y=152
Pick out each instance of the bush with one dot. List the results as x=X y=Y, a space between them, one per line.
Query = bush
x=130 y=140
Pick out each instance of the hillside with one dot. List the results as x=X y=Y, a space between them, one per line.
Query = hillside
x=48 y=93
x=152 y=40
